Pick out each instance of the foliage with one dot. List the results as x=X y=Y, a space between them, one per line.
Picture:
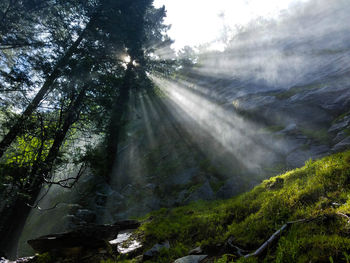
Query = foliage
x=44 y=258
x=63 y=79
x=317 y=191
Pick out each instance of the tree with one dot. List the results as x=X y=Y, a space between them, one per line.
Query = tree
x=86 y=80
x=47 y=86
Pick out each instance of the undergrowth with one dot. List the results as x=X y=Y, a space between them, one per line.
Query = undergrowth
x=319 y=191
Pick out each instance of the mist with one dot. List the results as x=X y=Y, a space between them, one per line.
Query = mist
x=307 y=42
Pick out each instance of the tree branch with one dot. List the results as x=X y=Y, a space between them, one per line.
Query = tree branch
x=65 y=182
x=276 y=235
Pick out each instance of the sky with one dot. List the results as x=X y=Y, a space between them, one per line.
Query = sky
x=196 y=22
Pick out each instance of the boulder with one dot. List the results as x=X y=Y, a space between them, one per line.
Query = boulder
x=20 y=260
x=196 y=251
x=191 y=259
x=86 y=215
x=90 y=237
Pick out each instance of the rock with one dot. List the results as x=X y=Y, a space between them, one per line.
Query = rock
x=291 y=128
x=291 y=144
x=202 y=193
x=86 y=215
x=341 y=146
x=20 y=260
x=253 y=102
x=108 y=195
x=196 y=251
x=340 y=136
x=184 y=177
x=339 y=125
x=191 y=259
x=71 y=221
x=298 y=157
x=229 y=189
x=126 y=243
x=155 y=250
x=182 y=196
x=104 y=189
x=150 y=187
x=90 y=237
x=128 y=190
x=152 y=203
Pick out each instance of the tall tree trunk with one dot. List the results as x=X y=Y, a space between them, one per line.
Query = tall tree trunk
x=16 y=129
x=116 y=121
x=14 y=218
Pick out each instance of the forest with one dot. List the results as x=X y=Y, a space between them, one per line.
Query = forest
x=150 y=131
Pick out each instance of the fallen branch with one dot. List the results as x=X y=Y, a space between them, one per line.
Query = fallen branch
x=238 y=251
x=275 y=236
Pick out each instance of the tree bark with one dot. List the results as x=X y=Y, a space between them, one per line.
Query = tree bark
x=17 y=128
x=116 y=121
x=14 y=218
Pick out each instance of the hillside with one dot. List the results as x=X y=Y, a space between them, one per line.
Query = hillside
x=309 y=205
x=318 y=192
x=124 y=140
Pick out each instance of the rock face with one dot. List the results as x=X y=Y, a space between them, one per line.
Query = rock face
x=202 y=193
x=342 y=145
x=229 y=189
x=313 y=117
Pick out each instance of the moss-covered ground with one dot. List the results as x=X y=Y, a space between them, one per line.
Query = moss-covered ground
x=319 y=191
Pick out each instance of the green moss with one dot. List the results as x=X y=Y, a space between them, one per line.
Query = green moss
x=44 y=258
x=309 y=192
x=216 y=185
x=273 y=128
x=320 y=135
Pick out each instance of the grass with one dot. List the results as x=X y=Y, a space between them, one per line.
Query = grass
x=320 y=189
